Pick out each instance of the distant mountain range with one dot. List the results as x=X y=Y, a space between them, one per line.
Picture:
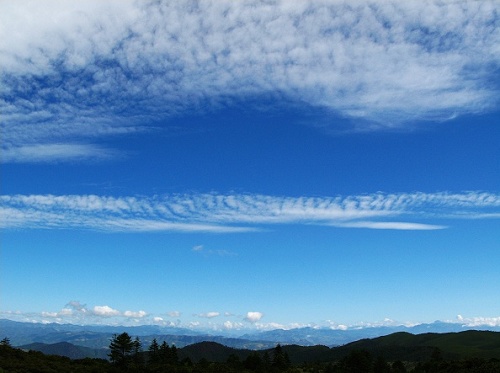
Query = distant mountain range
x=98 y=336
x=397 y=346
x=336 y=337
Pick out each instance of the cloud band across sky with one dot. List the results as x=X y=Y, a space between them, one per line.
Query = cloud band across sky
x=73 y=72
x=241 y=213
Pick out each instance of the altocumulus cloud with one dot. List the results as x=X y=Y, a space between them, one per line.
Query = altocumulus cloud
x=71 y=70
x=241 y=212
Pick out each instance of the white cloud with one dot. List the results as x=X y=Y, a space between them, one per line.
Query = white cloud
x=70 y=69
x=54 y=152
x=105 y=311
x=105 y=315
x=74 y=311
x=66 y=312
x=49 y=314
x=241 y=213
x=336 y=326
x=271 y=326
x=209 y=315
x=135 y=315
x=479 y=321
x=230 y=325
x=173 y=314
x=253 y=316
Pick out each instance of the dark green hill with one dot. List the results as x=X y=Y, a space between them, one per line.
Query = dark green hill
x=211 y=351
x=216 y=352
x=67 y=349
x=468 y=344
x=420 y=347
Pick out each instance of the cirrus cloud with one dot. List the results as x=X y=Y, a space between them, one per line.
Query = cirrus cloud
x=242 y=213
x=76 y=71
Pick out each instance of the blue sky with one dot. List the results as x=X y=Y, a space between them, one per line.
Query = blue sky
x=232 y=166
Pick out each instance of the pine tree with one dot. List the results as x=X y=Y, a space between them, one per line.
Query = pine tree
x=173 y=355
x=266 y=360
x=280 y=359
x=121 y=347
x=164 y=353
x=137 y=356
x=154 y=350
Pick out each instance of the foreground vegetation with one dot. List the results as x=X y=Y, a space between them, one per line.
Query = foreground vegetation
x=128 y=355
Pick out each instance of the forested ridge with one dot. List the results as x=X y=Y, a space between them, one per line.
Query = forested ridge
x=399 y=352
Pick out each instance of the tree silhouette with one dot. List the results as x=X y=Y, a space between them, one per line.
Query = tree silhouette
x=137 y=355
x=281 y=361
x=398 y=367
x=253 y=362
x=121 y=348
x=154 y=352
x=357 y=361
x=174 y=358
x=381 y=366
x=165 y=353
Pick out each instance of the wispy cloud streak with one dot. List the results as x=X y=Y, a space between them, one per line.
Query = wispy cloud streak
x=54 y=152
x=72 y=71
x=241 y=213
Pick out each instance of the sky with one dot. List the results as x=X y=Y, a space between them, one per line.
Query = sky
x=234 y=166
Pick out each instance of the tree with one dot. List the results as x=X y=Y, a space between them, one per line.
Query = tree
x=280 y=359
x=381 y=366
x=357 y=361
x=266 y=361
x=253 y=362
x=437 y=355
x=398 y=367
x=164 y=353
x=233 y=361
x=121 y=347
x=137 y=356
x=173 y=355
x=154 y=354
